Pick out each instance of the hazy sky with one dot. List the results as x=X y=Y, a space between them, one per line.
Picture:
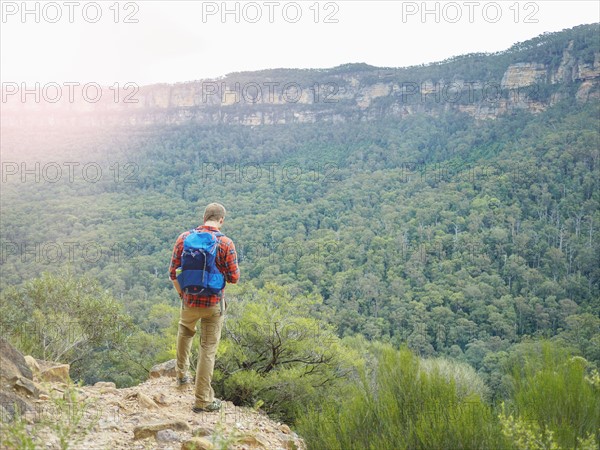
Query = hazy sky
x=167 y=41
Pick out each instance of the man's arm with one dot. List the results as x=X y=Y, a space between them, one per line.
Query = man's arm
x=175 y=263
x=228 y=264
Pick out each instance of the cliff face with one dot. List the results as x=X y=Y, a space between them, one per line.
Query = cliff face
x=308 y=96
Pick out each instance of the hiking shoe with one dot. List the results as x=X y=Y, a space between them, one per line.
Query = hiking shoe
x=214 y=406
x=183 y=381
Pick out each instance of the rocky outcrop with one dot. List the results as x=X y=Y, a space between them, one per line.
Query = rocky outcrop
x=17 y=388
x=54 y=372
x=366 y=95
x=13 y=404
x=589 y=90
x=155 y=414
x=166 y=369
x=13 y=365
x=523 y=74
x=589 y=71
x=118 y=420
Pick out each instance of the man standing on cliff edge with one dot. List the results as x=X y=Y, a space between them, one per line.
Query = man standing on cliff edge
x=200 y=302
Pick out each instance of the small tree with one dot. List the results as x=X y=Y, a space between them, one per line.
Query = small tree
x=275 y=352
x=63 y=318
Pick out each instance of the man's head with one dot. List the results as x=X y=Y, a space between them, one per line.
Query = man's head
x=214 y=213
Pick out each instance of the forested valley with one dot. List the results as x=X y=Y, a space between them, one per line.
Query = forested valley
x=424 y=282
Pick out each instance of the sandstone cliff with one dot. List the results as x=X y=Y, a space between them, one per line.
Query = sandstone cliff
x=346 y=93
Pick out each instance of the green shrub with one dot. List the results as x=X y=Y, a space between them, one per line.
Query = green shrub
x=66 y=318
x=553 y=390
x=399 y=405
x=466 y=379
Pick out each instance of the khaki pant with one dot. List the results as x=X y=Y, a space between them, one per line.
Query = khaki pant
x=211 y=322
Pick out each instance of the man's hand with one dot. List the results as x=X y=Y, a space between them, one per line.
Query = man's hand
x=177 y=288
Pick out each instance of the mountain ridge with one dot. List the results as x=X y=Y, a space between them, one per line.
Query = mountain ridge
x=529 y=76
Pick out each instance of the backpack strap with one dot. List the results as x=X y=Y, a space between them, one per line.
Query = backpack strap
x=218 y=234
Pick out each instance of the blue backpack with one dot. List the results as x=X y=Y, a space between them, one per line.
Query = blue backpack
x=199 y=273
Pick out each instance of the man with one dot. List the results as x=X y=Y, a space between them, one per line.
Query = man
x=209 y=309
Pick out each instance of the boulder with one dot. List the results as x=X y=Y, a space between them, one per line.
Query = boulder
x=26 y=386
x=14 y=373
x=160 y=399
x=255 y=440
x=58 y=373
x=32 y=363
x=149 y=430
x=12 y=364
x=167 y=436
x=13 y=404
x=166 y=369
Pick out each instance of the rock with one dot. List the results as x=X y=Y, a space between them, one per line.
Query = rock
x=167 y=436
x=106 y=387
x=56 y=374
x=523 y=74
x=146 y=402
x=44 y=397
x=13 y=404
x=255 y=440
x=284 y=429
x=32 y=363
x=12 y=364
x=197 y=443
x=14 y=372
x=166 y=369
x=26 y=386
x=160 y=399
x=122 y=406
x=373 y=91
x=202 y=431
x=41 y=389
x=148 y=430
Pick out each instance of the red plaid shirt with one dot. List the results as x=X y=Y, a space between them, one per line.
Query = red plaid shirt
x=226 y=261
